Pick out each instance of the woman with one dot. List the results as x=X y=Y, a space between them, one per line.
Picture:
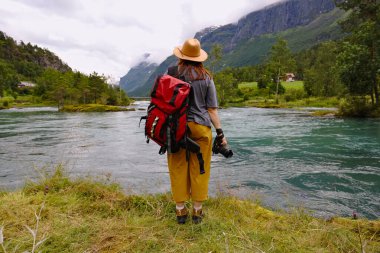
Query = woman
x=186 y=181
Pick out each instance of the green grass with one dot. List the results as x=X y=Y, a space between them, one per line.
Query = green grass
x=294 y=97
x=297 y=85
x=252 y=85
x=5 y=102
x=24 y=101
x=282 y=103
x=86 y=215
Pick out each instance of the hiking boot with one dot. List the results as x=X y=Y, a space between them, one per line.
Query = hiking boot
x=197 y=216
x=181 y=215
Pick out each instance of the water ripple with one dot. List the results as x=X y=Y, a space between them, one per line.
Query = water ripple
x=328 y=165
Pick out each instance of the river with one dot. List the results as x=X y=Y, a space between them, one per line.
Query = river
x=283 y=157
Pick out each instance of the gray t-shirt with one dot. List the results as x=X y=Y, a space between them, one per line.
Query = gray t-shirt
x=203 y=97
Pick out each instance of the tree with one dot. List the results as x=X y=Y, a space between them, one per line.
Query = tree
x=280 y=61
x=321 y=77
x=97 y=85
x=264 y=77
x=226 y=86
x=8 y=78
x=215 y=56
x=28 y=70
x=47 y=83
x=359 y=59
x=81 y=83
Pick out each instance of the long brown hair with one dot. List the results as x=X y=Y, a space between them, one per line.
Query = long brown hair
x=185 y=68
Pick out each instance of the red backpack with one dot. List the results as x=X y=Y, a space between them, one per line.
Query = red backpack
x=166 y=119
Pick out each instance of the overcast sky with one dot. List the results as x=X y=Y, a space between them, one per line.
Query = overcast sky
x=110 y=36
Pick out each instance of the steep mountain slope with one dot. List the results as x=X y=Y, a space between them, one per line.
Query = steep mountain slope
x=17 y=54
x=255 y=50
x=137 y=77
x=144 y=89
x=270 y=20
x=303 y=23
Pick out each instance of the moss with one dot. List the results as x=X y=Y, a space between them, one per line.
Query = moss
x=87 y=215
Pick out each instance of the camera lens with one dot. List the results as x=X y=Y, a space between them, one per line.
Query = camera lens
x=216 y=149
x=226 y=152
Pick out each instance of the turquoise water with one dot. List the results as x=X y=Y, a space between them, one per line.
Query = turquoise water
x=285 y=158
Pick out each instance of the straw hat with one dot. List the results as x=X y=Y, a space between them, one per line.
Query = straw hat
x=191 y=50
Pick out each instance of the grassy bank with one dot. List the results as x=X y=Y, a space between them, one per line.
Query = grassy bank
x=294 y=97
x=32 y=101
x=283 y=103
x=23 y=101
x=93 y=108
x=81 y=215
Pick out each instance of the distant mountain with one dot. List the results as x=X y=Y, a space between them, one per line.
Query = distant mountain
x=304 y=23
x=137 y=77
x=199 y=35
x=144 y=89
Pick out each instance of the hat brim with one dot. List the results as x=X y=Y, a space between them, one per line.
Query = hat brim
x=201 y=58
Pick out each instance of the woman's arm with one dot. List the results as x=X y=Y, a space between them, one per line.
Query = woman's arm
x=214 y=116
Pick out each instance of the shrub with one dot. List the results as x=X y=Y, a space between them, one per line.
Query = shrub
x=294 y=94
x=261 y=84
x=273 y=88
x=355 y=107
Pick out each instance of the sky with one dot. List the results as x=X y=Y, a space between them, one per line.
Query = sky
x=111 y=36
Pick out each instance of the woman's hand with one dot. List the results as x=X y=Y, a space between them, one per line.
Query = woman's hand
x=224 y=141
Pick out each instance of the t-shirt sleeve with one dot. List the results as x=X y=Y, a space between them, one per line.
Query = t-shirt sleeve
x=211 y=99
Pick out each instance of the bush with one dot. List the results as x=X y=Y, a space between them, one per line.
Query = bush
x=294 y=94
x=5 y=103
x=273 y=88
x=355 y=107
x=261 y=84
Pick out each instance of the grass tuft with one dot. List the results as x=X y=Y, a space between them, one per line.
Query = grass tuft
x=86 y=215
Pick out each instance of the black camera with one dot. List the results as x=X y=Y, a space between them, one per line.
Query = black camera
x=219 y=148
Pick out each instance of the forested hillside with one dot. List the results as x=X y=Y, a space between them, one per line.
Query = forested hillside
x=50 y=79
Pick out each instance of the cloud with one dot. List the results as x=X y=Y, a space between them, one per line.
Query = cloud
x=125 y=22
x=55 y=6
x=110 y=36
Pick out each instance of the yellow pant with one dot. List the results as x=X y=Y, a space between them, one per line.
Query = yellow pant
x=186 y=180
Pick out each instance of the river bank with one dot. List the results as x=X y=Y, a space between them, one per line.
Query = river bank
x=85 y=215
x=94 y=108
x=27 y=101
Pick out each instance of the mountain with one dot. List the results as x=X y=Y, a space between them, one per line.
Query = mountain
x=303 y=23
x=144 y=89
x=19 y=55
x=255 y=50
x=272 y=19
x=137 y=76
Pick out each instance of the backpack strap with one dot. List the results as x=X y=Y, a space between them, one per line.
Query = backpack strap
x=173 y=71
x=192 y=146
